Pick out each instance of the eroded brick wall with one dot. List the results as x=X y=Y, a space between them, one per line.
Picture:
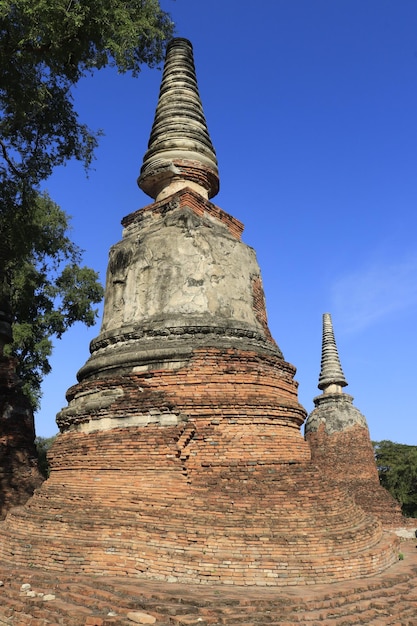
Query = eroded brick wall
x=128 y=507
x=227 y=383
x=19 y=474
x=225 y=495
x=347 y=460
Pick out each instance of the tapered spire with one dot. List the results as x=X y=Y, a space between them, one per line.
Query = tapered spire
x=180 y=152
x=331 y=374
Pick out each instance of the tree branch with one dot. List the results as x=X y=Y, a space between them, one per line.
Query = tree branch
x=9 y=162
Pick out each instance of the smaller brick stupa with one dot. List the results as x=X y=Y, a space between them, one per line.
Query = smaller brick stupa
x=19 y=473
x=340 y=442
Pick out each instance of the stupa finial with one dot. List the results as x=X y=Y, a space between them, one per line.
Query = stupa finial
x=180 y=153
x=331 y=377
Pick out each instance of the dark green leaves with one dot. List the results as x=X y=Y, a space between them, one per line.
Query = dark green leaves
x=48 y=289
x=397 y=467
x=45 y=48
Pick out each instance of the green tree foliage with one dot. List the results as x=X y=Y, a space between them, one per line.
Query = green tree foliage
x=42 y=446
x=45 y=48
x=49 y=291
x=397 y=467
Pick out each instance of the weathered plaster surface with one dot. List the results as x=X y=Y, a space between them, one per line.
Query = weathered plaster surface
x=336 y=413
x=178 y=280
x=180 y=267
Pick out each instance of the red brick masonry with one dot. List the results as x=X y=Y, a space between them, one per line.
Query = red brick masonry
x=347 y=460
x=389 y=599
x=19 y=474
x=228 y=495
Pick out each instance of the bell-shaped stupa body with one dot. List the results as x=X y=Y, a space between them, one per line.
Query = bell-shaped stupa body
x=180 y=455
x=340 y=442
x=181 y=277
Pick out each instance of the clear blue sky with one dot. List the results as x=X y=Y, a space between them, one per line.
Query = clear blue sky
x=312 y=108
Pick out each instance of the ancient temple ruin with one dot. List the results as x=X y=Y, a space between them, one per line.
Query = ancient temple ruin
x=340 y=442
x=19 y=473
x=180 y=456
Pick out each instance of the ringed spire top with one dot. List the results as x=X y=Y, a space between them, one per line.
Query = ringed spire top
x=331 y=377
x=180 y=153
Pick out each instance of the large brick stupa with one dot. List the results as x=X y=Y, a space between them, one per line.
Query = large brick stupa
x=180 y=455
